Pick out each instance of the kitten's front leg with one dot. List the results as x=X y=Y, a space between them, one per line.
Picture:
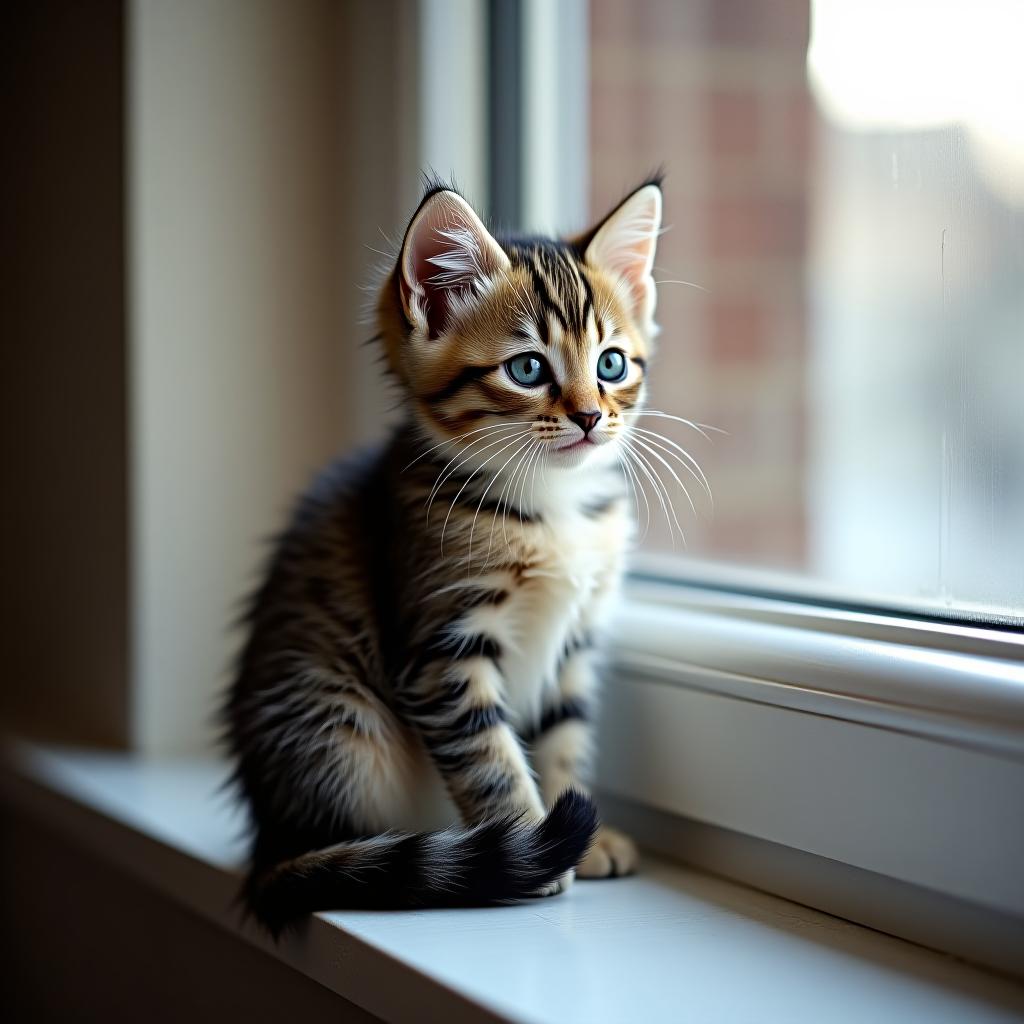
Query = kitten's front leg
x=458 y=709
x=562 y=751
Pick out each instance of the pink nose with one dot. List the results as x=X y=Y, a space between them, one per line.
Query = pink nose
x=586 y=421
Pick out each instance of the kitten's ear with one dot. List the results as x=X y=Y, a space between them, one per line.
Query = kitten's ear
x=447 y=257
x=623 y=245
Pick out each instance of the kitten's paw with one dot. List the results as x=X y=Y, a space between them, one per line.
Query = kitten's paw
x=558 y=885
x=612 y=855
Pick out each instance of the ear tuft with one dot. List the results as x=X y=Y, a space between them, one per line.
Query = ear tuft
x=447 y=258
x=623 y=245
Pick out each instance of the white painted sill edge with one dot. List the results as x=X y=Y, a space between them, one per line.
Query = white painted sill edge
x=666 y=943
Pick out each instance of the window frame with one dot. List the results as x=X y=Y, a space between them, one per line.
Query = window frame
x=868 y=766
x=961 y=684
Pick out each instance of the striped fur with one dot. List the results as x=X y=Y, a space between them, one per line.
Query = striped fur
x=411 y=715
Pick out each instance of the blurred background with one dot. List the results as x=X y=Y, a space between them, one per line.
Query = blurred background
x=197 y=194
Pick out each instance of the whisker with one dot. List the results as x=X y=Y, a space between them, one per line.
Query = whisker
x=505 y=493
x=494 y=518
x=648 y=447
x=537 y=460
x=627 y=474
x=491 y=431
x=699 y=427
x=443 y=476
x=502 y=510
x=460 y=437
x=451 y=508
x=643 y=491
x=520 y=453
x=691 y=284
x=511 y=492
x=631 y=477
x=662 y=492
x=690 y=464
x=640 y=467
x=522 y=485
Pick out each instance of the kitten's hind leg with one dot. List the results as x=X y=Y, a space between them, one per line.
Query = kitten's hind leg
x=322 y=750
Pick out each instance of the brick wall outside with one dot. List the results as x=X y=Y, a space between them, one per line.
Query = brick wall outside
x=715 y=91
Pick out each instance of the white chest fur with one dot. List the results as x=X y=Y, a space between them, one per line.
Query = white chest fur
x=565 y=594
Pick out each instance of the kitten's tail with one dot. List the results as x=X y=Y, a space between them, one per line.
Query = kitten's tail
x=499 y=861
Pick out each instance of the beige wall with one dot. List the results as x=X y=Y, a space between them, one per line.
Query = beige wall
x=252 y=206
x=201 y=195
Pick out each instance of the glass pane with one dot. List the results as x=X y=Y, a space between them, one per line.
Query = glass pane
x=845 y=197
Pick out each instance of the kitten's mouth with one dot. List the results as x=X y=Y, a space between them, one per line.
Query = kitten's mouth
x=575 y=446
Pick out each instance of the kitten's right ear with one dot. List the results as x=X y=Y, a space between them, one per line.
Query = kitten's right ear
x=623 y=244
x=447 y=257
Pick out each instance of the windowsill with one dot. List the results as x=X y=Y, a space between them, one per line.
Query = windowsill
x=668 y=944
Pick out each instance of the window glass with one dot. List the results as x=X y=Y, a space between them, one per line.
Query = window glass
x=842 y=282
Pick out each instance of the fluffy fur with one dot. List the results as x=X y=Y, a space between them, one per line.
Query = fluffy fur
x=411 y=716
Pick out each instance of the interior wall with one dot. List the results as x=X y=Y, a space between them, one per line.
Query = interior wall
x=268 y=150
x=196 y=202
x=64 y=585
x=378 y=158
x=233 y=259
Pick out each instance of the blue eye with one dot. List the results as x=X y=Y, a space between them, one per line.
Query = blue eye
x=528 y=369
x=611 y=366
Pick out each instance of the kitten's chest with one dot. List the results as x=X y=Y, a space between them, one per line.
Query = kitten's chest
x=566 y=592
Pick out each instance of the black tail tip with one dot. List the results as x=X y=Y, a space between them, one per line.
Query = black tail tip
x=267 y=903
x=571 y=825
x=574 y=807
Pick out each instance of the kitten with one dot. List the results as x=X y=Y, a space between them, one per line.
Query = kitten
x=411 y=717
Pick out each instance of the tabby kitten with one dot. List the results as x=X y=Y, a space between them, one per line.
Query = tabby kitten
x=411 y=716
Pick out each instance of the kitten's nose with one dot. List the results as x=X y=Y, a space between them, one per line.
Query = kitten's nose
x=585 y=420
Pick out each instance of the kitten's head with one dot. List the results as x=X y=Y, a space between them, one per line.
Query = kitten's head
x=513 y=343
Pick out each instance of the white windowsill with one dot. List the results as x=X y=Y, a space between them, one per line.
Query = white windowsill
x=670 y=944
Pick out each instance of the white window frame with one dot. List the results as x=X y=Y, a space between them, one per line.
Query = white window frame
x=866 y=763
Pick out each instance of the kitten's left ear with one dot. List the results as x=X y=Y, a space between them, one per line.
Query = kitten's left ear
x=623 y=245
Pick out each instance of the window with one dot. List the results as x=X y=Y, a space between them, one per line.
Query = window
x=811 y=693
x=843 y=287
